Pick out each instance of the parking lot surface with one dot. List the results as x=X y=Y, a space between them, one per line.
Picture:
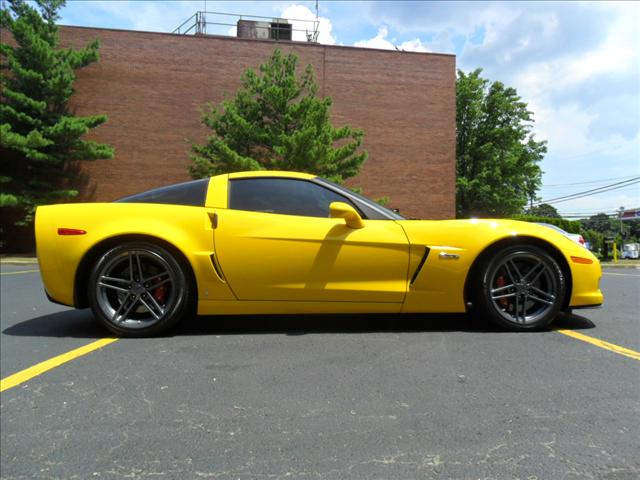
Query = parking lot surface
x=334 y=397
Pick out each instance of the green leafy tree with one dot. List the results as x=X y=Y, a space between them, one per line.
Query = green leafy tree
x=544 y=210
x=608 y=228
x=497 y=156
x=571 y=226
x=603 y=223
x=595 y=239
x=40 y=138
x=633 y=227
x=277 y=122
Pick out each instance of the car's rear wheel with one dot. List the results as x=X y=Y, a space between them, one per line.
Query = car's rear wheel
x=139 y=289
x=520 y=288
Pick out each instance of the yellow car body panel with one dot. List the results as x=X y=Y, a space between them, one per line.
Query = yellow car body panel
x=188 y=229
x=253 y=262
x=454 y=245
x=266 y=256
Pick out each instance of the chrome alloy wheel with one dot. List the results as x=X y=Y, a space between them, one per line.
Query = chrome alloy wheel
x=136 y=288
x=523 y=287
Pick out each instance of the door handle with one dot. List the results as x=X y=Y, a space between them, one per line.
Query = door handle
x=214 y=220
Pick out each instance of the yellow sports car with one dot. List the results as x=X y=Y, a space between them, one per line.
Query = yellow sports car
x=284 y=242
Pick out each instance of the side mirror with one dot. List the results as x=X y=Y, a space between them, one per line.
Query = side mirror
x=346 y=211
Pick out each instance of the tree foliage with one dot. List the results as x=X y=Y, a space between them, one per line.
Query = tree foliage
x=40 y=138
x=544 y=210
x=571 y=226
x=497 y=156
x=277 y=122
x=601 y=227
x=612 y=227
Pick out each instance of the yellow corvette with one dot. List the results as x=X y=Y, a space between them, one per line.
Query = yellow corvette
x=284 y=242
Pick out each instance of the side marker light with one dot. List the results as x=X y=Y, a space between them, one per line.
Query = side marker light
x=586 y=261
x=71 y=231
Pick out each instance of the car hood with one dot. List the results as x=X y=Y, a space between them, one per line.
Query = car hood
x=474 y=235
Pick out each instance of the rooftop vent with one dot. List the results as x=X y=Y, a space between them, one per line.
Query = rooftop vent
x=278 y=29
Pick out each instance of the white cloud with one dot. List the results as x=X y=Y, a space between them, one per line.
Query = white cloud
x=380 y=41
x=303 y=20
x=576 y=64
x=578 y=68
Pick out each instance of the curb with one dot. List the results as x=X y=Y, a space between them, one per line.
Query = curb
x=18 y=261
x=618 y=265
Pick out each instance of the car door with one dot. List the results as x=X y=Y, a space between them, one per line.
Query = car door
x=277 y=242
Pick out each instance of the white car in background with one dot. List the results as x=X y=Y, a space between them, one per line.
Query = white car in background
x=631 y=250
x=576 y=237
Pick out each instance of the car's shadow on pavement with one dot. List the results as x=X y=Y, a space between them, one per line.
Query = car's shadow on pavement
x=81 y=324
x=352 y=324
x=65 y=324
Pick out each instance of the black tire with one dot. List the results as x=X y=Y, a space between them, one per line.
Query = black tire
x=139 y=289
x=520 y=288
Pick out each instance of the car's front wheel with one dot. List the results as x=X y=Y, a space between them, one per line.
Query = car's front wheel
x=519 y=288
x=139 y=289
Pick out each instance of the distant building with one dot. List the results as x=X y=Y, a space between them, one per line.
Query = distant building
x=152 y=86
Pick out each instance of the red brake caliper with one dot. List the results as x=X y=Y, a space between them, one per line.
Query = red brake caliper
x=160 y=293
x=500 y=282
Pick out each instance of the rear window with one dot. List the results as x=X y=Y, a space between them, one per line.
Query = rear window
x=192 y=193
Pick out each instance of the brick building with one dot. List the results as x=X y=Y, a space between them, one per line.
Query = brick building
x=152 y=86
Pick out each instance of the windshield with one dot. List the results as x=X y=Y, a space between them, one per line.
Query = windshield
x=361 y=198
x=558 y=229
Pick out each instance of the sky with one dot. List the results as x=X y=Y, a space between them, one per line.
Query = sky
x=576 y=64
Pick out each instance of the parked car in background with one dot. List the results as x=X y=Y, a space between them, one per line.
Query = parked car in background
x=576 y=237
x=631 y=250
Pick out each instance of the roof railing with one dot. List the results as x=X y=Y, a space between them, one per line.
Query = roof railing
x=220 y=23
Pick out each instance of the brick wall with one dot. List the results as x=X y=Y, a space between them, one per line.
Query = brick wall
x=152 y=85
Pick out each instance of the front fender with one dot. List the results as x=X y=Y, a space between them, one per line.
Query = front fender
x=440 y=284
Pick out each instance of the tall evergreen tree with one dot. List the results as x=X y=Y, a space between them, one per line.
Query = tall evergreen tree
x=277 y=122
x=497 y=156
x=40 y=138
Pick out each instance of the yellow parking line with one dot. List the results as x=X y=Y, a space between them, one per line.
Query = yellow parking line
x=602 y=344
x=20 y=271
x=40 y=368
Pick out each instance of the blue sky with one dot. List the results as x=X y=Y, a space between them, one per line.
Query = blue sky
x=577 y=65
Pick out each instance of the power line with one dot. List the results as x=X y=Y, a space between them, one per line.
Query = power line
x=612 y=213
x=587 y=183
x=574 y=197
x=630 y=186
x=606 y=211
x=594 y=191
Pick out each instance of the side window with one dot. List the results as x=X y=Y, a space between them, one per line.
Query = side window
x=282 y=195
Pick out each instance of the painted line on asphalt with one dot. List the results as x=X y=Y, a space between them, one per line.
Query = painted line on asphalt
x=627 y=352
x=18 y=272
x=42 y=367
x=620 y=274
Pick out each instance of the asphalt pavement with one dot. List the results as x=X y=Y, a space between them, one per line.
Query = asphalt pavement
x=334 y=397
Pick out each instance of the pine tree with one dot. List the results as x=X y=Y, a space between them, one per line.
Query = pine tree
x=40 y=138
x=276 y=122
